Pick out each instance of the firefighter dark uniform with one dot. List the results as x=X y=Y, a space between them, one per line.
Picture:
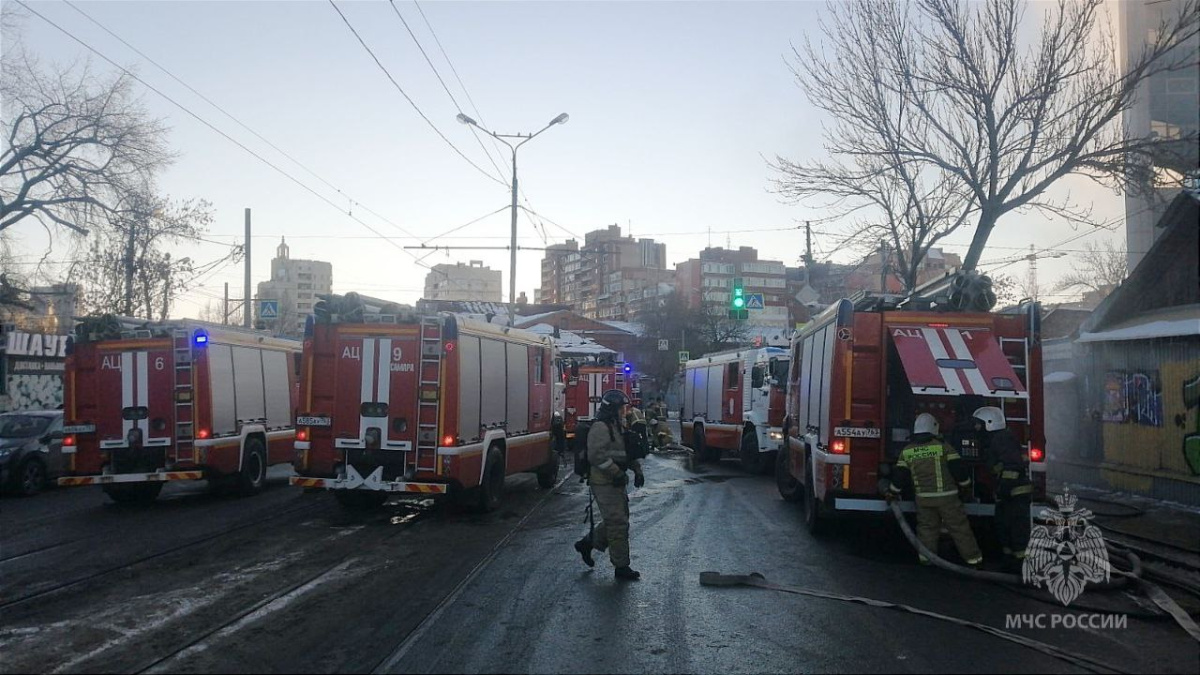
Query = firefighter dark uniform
x=936 y=474
x=1010 y=467
x=609 y=462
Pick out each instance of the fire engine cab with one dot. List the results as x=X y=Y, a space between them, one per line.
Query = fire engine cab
x=152 y=402
x=733 y=403
x=866 y=367
x=395 y=402
x=586 y=383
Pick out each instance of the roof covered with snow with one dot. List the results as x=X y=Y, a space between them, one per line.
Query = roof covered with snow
x=1176 y=322
x=571 y=344
x=627 y=326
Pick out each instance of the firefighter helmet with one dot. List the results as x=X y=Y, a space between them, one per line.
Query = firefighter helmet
x=611 y=402
x=991 y=417
x=925 y=424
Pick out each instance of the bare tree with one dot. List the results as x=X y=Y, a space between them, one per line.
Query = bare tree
x=1100 y=269
x=944 y=116
x=75 y=143
x=128 y=269
x=214 y=312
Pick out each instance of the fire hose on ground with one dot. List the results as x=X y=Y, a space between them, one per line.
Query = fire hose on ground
x=1156 y=594
x=1134 y=576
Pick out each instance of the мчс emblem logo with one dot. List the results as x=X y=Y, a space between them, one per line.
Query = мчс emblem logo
x=1066 y=554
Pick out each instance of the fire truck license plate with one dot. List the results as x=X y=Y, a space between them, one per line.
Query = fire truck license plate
x=856 y=432
x=79 y=428
x=313 y=421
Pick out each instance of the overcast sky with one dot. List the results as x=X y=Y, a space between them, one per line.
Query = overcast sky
x=674 y=108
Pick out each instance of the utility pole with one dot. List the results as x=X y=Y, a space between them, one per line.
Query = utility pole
x=512 y=257
x=524 y=138
x=246 y=295
x=883 y=265
x=225 y=312
x=166 y=289
x=1032 y=281
x=129 y=268
x=808 y=259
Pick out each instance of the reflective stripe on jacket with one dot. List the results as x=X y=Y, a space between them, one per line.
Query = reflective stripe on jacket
x=933 y=467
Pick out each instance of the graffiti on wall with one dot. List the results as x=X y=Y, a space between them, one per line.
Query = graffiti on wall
x=1133 y=398
x=1191 y=442
x=35 y=392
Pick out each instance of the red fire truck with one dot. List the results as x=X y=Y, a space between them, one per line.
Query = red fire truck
x=586 y=383
x=147 y=403
x=394 y=402
x=865 y=368
x=733 y=403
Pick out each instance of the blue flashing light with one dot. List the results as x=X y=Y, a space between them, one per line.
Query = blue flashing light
x=200 y=338
x=628 y=369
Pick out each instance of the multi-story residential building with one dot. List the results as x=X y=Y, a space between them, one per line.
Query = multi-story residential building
x=294 y=284
x=463 y=282
x=610 y=277
x=707 y=282
x=1165 y=106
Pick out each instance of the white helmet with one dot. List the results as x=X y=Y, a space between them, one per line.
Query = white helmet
x=925 y=424
x=991 y=416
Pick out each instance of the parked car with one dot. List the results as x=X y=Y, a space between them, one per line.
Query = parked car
x=30 y=450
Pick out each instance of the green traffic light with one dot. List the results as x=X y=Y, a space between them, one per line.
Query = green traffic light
x=739 y=302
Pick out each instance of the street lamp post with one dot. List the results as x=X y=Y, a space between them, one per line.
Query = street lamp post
x=525 y=138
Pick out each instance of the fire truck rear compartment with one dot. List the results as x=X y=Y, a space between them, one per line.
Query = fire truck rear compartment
x=953 y=413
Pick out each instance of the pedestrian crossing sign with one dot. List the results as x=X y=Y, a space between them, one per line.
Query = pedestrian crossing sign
x=268 y=309
x=754 y=301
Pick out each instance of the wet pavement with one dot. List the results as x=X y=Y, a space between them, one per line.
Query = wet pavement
x=537 y=608
x=289 y=582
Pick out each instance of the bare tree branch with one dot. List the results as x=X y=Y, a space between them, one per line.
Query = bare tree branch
x=945 y=115
x=75 y=141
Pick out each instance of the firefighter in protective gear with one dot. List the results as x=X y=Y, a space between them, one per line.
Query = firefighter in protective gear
x=609 y=462
x=937 y=476
x=1009 y=464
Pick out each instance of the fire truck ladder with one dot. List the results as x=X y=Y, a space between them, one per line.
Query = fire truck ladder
x=181 y=343
x=1017 y=352
x=429 y=401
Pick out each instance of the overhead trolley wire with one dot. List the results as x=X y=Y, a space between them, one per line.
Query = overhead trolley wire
x=224 y=135
x=231 y=116
x=408 y=98
x=453 y=100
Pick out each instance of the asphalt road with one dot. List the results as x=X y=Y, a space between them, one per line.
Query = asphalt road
x=288 y=582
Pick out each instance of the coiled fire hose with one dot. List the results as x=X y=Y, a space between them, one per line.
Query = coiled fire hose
x=1157 y=595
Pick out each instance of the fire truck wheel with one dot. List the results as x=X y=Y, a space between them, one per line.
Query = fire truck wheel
x=254 y=468
x=789 y=488
x=703 y=453
x=752 y=460
x=360 y=500
x=135 y=493
x=815 y=519
x=548 y=475
x=493 y=482
x=30 y=477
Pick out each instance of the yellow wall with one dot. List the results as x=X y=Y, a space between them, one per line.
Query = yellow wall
x=1157 y=448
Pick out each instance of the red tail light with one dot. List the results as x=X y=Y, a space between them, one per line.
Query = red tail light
x=203 y=434
x=302 y=435
x=449 y=347
x=447 y=440
x=839 y=447
x=1036 y=454
x=69 y=440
